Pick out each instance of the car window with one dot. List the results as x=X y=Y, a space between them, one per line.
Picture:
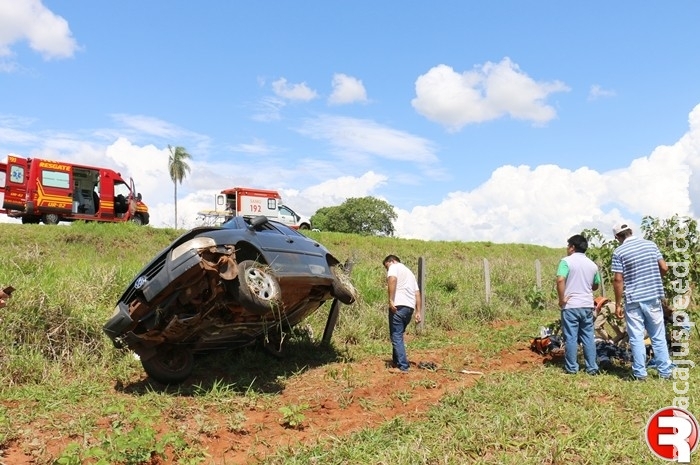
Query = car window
x=266 y=227
x=271 y=226
x=287 y=230
x=235 y=223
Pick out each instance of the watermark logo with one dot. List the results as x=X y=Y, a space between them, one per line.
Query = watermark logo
x=672 y=434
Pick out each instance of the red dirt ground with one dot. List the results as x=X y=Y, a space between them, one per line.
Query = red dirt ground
x=335 y=409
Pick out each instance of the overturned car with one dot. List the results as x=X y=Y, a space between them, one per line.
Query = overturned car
x=223 y=287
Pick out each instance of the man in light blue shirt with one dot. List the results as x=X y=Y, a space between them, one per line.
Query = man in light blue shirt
x=577 y=278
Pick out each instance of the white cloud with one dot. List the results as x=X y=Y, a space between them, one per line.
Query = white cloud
x=597 y=92
x=690 y=145
x=332 y=192
x=485 y=93
x=347 y=89
x=46 y=32
x=517 y=204
x=268 y=109
x=15 y=136
x=546 y=204
x=257 y=147
x=287 y=91
x=362 y=139
x=148 y=125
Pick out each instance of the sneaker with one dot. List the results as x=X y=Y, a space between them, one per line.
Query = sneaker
x=593 y=373
x=641 y=378
x=398 y=371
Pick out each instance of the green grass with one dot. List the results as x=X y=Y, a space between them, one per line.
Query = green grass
x=510 y=418
x=59 y=373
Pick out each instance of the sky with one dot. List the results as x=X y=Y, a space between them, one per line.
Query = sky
x=511 y=122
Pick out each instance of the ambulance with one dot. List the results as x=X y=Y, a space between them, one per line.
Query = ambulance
x=247 y=201
x=47 y=191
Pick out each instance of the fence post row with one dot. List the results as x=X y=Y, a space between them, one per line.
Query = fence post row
x=333 y=314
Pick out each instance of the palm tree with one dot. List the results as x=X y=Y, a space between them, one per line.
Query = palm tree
x=178 y=169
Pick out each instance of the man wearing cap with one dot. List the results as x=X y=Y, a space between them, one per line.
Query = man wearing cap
x=638 y=266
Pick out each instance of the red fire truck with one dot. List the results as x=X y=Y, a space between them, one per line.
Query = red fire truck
x=38 y=190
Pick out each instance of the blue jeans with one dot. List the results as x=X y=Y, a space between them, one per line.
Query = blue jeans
x=397 y=326
x=649 y=316
x=577 y=325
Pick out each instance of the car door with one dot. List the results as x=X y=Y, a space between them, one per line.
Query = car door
x=285 y=249
x=287 y=216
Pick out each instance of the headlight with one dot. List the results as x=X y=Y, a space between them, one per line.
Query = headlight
x=196 y=243
x=317 y=269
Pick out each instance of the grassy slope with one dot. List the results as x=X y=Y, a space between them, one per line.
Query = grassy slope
x=53 y=355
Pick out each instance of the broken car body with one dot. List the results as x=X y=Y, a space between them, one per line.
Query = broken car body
x=223 y=287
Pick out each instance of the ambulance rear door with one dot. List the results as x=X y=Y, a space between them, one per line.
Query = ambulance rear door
x=16 y=177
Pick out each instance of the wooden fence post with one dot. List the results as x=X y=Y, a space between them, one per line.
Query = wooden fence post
x=487 y=281
x=421 y=287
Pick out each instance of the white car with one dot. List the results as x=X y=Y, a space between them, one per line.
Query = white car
x=292 y=219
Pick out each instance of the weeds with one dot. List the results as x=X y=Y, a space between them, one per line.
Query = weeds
x=293 y=416
x=536 y=298
x=236 y=423
x=135 y=446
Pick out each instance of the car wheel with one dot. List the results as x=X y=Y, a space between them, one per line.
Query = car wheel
x=137 y=220
x=258 y=289
x=170 y=364
x=304 y=227
x=343 y=290
x=50 y=218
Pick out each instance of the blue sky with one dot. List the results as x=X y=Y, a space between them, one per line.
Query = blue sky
x=507 y=121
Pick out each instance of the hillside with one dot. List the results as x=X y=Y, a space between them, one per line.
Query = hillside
x=68 y=394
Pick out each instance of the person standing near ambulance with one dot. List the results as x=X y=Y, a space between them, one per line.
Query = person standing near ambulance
x=404 y=300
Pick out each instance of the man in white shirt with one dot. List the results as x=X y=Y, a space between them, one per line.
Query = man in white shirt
x=577 y=278
x=404 y=299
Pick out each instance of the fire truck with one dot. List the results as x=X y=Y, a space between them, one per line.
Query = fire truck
x=247 y=201
x=38 y=190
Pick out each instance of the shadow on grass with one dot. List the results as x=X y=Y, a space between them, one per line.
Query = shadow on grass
x=252 y=369
x=615 y=367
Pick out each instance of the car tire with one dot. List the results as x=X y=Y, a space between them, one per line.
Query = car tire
x=170 y=364
x=343 y=290
x=137 y=220
x=258 y=289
